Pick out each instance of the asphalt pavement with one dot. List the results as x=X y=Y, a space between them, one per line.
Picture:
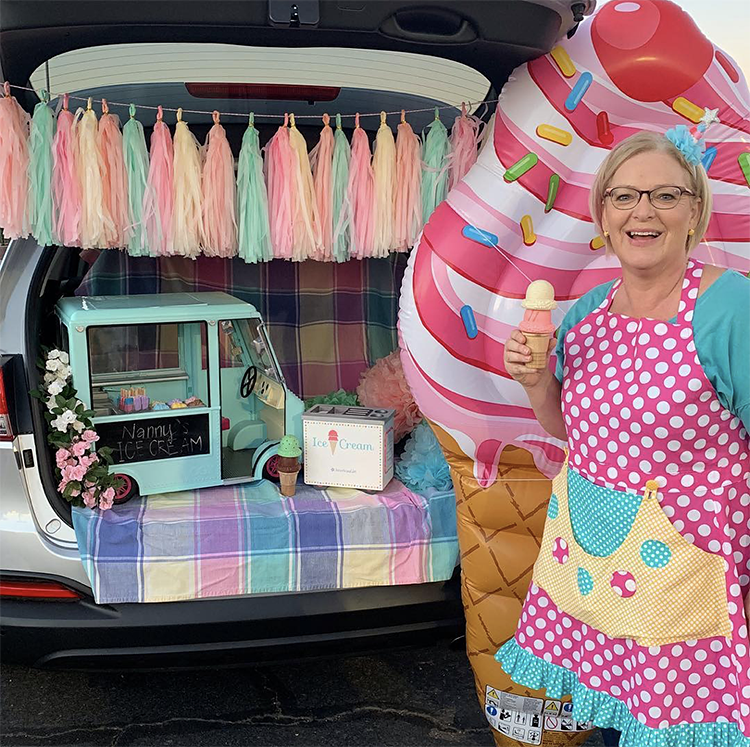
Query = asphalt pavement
x=421 y=696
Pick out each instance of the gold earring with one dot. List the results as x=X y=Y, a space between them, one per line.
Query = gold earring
x=606 y=234
x=691 y=232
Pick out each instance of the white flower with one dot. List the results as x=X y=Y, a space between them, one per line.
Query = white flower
x=56 y=387
x=64 y=356
x=64 y=372
x=51 y=403
x=53 y=354
x=60 y=424
x=49 y=378
x=78 y=426
x=68 y=416
x=53 y=364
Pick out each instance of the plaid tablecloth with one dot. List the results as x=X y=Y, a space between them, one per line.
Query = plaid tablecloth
x=246 y=539
x=328 y=322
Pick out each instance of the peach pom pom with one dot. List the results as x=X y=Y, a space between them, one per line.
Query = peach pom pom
x=384 y=385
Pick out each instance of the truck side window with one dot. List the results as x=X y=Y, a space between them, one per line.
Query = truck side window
x=148 y=367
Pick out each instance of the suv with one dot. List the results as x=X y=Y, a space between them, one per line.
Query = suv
x=391 y=55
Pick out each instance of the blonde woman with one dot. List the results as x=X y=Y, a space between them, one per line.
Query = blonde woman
x=638 y=605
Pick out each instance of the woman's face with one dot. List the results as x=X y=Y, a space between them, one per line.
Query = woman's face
x=645 y=237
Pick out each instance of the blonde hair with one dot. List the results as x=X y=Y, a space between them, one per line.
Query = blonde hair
x=652 y=142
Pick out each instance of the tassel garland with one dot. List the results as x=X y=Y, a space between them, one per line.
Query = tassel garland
x=361 y=193
x=435 y=152
x=83 y=181
x=14 y=164
x=186 y=213
x=114 y=180
x=40 y=173
x=158 y=199
x=384 y=174
x=408 y=207
x=254 y=233
x=218 y=195
x=321 y=162
x=66 y=191
x=136 y=169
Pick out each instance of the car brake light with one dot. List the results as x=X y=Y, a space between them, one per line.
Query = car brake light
x=36 y=590
x=6 y=434
x=263 y=91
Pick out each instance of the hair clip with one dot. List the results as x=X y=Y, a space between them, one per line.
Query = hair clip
x=690 y=141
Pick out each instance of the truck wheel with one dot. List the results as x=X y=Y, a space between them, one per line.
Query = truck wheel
x=127 y=490
x=271 y=469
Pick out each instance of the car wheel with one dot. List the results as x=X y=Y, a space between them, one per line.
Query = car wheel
x=127 y=490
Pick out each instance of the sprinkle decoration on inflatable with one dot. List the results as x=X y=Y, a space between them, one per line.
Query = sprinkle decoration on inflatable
x=520 y=215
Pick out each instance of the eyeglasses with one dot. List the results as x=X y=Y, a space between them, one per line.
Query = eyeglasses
x=662 y=198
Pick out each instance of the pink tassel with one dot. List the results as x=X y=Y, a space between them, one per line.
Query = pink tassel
x=279 y=175
x=114 y=180
x=158 y=198
x=218 y=195
x=14 y=164
x=464 y=142
x=384 y=171
x=66 y=190
x=361 y=194
x=321 y=160
x=408 y=209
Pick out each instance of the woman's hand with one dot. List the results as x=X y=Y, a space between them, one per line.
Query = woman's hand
x=517 y=355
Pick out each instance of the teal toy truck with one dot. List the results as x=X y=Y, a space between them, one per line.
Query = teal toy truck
x=186 y=388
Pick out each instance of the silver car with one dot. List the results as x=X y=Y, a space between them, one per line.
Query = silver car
x=390 y=55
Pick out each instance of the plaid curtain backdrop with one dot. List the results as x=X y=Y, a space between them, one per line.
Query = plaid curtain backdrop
x=328 y=322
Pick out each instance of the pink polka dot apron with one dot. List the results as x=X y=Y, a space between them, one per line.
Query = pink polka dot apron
x=636 y=605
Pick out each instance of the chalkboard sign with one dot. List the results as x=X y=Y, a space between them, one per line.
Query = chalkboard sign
x=155 y=438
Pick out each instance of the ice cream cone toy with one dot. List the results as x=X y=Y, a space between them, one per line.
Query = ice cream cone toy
x=288 y=464
x=537 y=324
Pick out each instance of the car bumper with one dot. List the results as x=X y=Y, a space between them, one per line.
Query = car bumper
x=223 y=632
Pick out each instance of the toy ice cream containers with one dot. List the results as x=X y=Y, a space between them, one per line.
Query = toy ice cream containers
x=288 y=465
x=537 y=324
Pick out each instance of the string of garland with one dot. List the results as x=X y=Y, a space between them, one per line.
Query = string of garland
x=76 y=180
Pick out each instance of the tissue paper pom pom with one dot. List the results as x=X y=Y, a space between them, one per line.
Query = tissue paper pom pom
x=423 y=464
x=384 y=385
x=339 y=397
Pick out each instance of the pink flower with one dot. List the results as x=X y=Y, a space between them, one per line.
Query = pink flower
x=62 y=485
x=61 y=457
x=76 y=472
x=89 y=498
x=106 y=499
x=89 y=436
x=80 y=448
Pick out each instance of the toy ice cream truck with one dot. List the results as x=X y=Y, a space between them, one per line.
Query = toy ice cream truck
x=186 y=387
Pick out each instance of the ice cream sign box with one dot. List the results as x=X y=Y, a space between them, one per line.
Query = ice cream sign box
x=348 y=447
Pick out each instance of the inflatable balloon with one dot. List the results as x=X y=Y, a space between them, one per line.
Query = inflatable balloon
x=521 y=214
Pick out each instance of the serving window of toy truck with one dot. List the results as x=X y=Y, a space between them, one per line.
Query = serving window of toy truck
x=142 y=367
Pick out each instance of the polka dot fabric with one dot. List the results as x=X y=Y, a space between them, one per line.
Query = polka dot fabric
x=637 y=407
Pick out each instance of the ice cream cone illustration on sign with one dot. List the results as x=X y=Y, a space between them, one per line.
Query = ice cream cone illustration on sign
x=333 y=440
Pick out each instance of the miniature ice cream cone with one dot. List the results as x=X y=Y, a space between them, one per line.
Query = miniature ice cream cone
x=333 y=441
x=288 y=464
x=537 y=324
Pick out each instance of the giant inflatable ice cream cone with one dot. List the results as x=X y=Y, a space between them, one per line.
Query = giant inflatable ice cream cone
x=521 y=215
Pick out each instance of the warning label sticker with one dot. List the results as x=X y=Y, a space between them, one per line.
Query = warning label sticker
x=514 y=715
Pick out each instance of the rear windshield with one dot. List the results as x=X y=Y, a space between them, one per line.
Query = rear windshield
x=264 y=80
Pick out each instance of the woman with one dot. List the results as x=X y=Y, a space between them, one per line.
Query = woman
x=637 y=604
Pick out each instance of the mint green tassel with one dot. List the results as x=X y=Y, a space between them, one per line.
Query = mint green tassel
x=136 y=167
x=252 y=201
x=40 y=172
x=340 y=204
x=435 y=149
